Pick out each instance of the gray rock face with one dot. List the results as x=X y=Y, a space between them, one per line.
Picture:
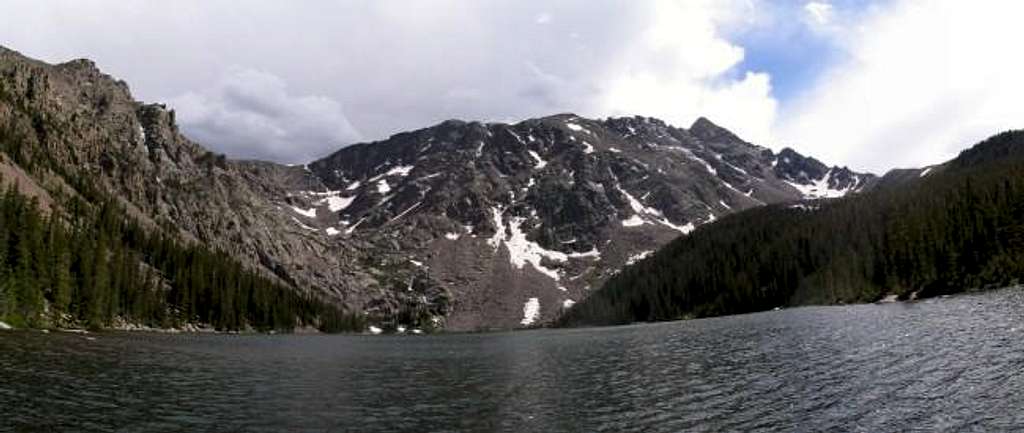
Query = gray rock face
x=816 y=180
x=463 y=225
x=497 y=214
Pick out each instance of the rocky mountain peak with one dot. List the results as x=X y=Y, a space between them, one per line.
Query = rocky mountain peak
x=554 y=205
x=815 y=179
x=706 y=130
x=80 y=64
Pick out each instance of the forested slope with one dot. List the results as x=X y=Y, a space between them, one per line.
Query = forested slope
x=110 y=216
x=93 y=265
x=73 y=256
x=958 y=227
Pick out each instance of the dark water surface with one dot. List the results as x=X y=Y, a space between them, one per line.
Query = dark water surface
x=954 y=364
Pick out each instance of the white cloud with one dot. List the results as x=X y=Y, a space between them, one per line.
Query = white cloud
x=923 y=81
x=679 y=68
x=404 y=64
x=251 y=114
x=820 y=12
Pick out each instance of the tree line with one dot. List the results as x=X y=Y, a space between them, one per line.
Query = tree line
x=958 y=229
x=91 y=265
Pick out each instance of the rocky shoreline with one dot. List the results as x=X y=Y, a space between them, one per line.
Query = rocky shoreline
x=196 y=328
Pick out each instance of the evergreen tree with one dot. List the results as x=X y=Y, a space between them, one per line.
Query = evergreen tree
x=954 y=230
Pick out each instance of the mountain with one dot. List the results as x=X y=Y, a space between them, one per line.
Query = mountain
x=462 y=225
x=122 y=178
x=944 y=229
x=516 y=223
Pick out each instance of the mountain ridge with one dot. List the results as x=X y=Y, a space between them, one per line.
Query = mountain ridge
x=460 y=225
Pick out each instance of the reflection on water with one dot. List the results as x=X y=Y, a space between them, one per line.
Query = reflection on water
x=944 y=364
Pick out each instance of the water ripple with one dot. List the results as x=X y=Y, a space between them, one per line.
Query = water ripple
x=953 y=364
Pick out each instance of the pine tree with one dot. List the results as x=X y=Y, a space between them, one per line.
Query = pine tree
x=60 y=276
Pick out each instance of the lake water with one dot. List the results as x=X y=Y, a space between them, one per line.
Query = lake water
x=954 y=364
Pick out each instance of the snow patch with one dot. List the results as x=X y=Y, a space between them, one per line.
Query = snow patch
x=636 y=205
x=402 y=170
x=303 y=225
x=499 y=229
x=633 y=221
x=308 y=213
x=706 y=164
x=724 y=204
x=805 y=207
x=522 y=251
x=820 y=188
x=638 y=257
x=568 y=303
x=336 y=203
x=332 y=199
x=614 y=150
x=531 y=311
x=593 y=253
x=514 y=135
x=577 y=128
x=731 y=165
x=925 y=172
x=729 y=185
x=352 y=229
x=383 y=187
x=331 y=231
x=640 y=209
x=541 y=163
x=684 y=229
x=406 y=211
x=375 y=330
x=451 y=236
x=353 y=186
x=587 y=148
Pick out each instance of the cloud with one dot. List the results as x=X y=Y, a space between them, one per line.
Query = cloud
x=923 y=80
x=251 y=114
x=680 y=67
x=403 y=64
x=820 y=12
x=895 y=83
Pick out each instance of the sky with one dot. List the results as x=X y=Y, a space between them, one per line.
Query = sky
x=872 y=85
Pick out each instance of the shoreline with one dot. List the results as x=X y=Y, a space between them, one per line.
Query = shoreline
x=199 y=329
x=884 y=301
